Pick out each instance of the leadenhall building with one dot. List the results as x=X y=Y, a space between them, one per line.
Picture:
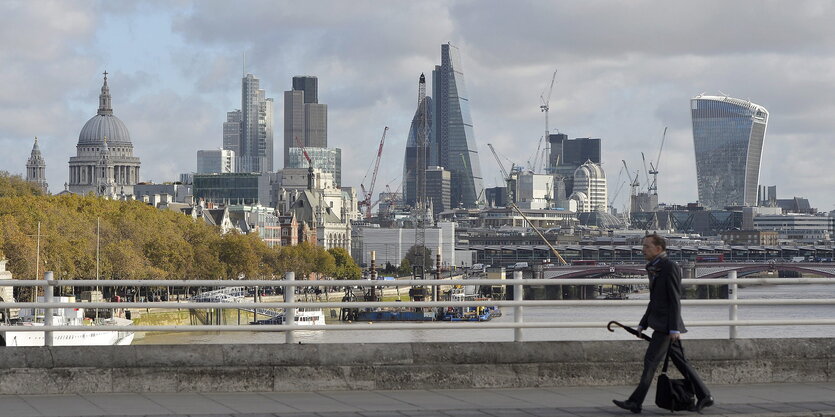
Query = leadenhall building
x=104 y=163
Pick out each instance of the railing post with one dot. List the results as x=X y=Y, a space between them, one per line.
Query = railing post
x=732 y=295
x=47 y=316
x=518 y=296
x=289 y=313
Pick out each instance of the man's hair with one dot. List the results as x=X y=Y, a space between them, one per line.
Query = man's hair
x=657 y=240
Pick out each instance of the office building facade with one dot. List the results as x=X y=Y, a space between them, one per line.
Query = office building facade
x=438 y=183
x=590 y=188
x=728 y=136
x=454 y=146
x=226 y=189
x=232 y=132
x=255 y=152
x=327 y=160
x=569 y=154
x=305 y=119
x=215 y=161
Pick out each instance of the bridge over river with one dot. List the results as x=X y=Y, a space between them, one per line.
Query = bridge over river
x=790 y=376
x=764 y=377
x=695 y=270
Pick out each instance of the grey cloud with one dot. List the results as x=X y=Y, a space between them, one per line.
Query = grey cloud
x=529 y=30
x=626 y=69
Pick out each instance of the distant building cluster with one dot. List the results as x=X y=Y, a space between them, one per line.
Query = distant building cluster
x=237 y=186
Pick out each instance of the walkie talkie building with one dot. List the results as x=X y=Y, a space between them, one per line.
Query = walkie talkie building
x=728 y=135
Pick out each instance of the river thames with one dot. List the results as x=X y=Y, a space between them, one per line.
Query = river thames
x=624 y=314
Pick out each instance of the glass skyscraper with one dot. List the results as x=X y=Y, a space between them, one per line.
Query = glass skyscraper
x=327 y=159
x=305 y=118
x=454 y=146
x=728 y=135
x=255 y=148
x=413 y=160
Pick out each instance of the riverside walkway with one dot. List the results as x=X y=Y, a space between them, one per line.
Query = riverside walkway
x=784 y=400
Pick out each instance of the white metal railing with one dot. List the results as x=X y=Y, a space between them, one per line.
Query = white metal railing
x=518 y=303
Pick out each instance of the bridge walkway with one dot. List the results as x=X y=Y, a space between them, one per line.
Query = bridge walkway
x=784 y=400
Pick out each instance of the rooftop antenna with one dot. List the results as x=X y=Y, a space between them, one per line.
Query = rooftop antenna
x=243 y=66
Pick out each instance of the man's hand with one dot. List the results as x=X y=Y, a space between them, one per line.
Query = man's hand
x=640 y=332
x=675 y=336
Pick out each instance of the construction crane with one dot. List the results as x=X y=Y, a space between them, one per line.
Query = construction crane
x=633 y=183
x=534 y=165
x=309 y=163
x=512 y=205
x=653 y=169
x=304 y=152
x=367 y=195
x=646 y=170
x=505 y=175
x=620 y=187
x=545 y=106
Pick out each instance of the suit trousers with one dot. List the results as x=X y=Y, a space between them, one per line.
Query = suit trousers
x=656 y=352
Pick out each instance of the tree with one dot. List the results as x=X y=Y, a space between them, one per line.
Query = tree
x=346 y=268
x=405 y=267
x=412 y=257
x=239 y=255
x=15 y=185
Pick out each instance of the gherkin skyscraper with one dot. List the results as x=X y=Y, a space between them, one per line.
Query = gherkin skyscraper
x=453 y=144
x=419 y=137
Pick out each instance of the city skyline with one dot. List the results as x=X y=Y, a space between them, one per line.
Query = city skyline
x=176 y=70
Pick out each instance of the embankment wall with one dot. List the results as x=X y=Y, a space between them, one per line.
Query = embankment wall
x=280 y=367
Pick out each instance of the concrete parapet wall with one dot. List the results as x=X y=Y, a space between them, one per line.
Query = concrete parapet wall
x=279 y=367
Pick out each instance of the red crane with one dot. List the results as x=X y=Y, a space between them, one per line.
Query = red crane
x=304 y=152
x=366 y=201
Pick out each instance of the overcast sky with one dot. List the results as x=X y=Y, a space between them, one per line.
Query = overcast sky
x=625 y=71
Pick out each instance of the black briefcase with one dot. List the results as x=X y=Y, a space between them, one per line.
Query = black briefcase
x=674 y=394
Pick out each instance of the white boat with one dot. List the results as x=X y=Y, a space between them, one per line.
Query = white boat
x=304 y=317
x=96 y=336
x=310 y=317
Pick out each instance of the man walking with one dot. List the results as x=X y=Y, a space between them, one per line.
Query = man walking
x=663 y=315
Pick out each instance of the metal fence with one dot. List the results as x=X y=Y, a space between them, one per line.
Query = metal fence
x=518 y=303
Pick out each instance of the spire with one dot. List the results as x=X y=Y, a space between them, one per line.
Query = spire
x=105 y=107
x=421 y=88
x=36 y=167
x=35 y=158
x=36 y=150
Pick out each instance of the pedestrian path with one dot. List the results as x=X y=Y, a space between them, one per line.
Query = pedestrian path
x=784 y=400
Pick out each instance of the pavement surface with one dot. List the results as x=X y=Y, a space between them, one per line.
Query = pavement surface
x=784 y=400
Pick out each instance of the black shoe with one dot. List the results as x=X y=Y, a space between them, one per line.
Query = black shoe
x=703 y=403
x=629 y=405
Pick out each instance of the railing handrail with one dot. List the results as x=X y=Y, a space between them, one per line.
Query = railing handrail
x=413 y=326
x=398 y=283
x=518 y=303
x=418 y=304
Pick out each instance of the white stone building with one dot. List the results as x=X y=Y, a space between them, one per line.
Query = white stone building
x=590 y=188
x=104 y=163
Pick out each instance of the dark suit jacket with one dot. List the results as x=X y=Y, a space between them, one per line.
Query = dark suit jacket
x=664 y=309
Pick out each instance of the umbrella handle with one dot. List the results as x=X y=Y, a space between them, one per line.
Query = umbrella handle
x=628 y=329
x=609 y=326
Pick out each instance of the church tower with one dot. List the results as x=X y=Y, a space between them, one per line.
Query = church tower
x=36 y=168
x=104 y=163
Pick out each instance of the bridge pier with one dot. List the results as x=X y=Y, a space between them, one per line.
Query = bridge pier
x=553 y=292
